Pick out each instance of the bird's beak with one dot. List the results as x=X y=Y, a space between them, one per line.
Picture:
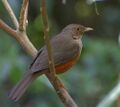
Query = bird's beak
x=88 y=29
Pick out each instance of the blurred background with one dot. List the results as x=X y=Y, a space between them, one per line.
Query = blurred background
x=95 y=74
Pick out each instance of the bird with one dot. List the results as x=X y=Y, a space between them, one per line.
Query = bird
x=66 y=48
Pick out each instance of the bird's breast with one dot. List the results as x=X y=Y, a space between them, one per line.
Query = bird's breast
x=64 y=67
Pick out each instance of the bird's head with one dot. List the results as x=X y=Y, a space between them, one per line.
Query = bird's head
x=76 y=30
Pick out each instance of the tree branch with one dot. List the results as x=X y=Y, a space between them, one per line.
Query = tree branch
x=24 y=41
x=23 y=15
x=61 y=91
x=46 y=37
x=57 y=84
x=11 y=13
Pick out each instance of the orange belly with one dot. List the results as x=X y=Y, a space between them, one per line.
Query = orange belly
x=64 y=67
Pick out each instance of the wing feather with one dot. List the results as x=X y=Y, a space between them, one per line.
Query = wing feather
x=41 y=61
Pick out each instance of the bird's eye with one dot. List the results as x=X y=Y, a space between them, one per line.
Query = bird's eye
x=78 y=29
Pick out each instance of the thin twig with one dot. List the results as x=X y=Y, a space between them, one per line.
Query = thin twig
x=7 y=28
x=11 y=13
x=59 y=87
x=23 y=15
x=46 y=37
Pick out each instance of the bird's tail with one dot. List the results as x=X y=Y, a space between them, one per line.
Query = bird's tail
x=21 y=87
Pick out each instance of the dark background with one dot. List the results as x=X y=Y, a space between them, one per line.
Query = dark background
x=95 y=74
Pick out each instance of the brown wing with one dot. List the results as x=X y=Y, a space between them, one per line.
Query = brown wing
x=41 y=61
